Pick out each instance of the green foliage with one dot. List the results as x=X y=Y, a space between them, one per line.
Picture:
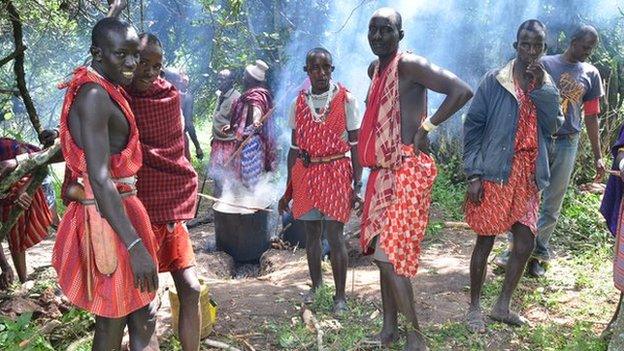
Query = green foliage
x=448 y=197
x=12 y=333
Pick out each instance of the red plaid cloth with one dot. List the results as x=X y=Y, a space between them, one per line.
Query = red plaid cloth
x=33 y=225
x=396 y=205
x=324 y=186
x=518 y=200
x=114 y=296
x=167 y=183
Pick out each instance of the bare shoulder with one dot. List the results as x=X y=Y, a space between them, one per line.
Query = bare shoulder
x=371 y=68
x=92 y=97
x=414 y=63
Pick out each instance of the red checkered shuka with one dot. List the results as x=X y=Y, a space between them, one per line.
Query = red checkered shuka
x=33 y=225
x=167 y=182
x=324 y=186
x=517 y=200
x=114 y=296
x=398 y=192
x=618 y=260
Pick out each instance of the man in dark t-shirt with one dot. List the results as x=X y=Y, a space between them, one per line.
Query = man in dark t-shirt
x=580 y=87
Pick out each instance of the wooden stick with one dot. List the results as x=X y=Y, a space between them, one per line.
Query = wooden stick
x=456 y=225
x=220 y=345
x=233 y=204
x=246 y=141
x=311 y=322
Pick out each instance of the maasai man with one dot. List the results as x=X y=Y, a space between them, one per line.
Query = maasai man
x=105 y=250
x=395 y=145
x=324 y=123
x=180 y=81
x=167 y=183
x=515 y=109
x=258 y=154
x=612 y=210
x=32 y=226
x=223 y=144
x=580 y=87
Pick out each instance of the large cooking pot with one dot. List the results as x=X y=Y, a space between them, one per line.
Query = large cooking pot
x=244 y=235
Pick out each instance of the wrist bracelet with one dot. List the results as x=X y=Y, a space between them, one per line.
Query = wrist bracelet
x=621 y=165
x=132 y=244
x=427 y=125
x=474 y=179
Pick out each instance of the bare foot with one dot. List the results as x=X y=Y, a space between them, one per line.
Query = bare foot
x=474 y=320
x=340 y=306
x=508 y=317
x=6 y=278
x=416 y=341
x=388 y=337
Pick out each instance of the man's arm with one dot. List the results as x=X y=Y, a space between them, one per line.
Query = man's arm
x=94 y=108
x=419 y=70
x=115 y=7
x=546 y=100
x=593 y=132
x=190 y=126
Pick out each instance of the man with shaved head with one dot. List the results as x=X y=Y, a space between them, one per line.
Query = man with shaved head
x=322 y=179
x=581 y=88
x=394 y=143
x=105 y=250
x=223 y=144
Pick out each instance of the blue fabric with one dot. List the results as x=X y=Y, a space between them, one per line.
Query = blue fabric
x=561 y=155
x=252 y=162
x=490 y=129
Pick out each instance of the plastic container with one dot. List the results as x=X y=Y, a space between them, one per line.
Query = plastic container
x=207 y=307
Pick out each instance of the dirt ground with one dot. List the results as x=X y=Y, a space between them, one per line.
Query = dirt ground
x=247 y=306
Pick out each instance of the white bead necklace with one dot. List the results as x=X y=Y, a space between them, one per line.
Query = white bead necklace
x=321 y=116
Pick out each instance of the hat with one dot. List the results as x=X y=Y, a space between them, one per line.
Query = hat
x=257 y=71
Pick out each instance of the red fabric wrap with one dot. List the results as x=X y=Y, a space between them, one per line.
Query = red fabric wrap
x=398 y=192
x=517 y=200
x=262 y=99
x=33 y=225
x=618 y=260
x=114 y=296
x=175 y=250
x=324 y=186
x=167 y=182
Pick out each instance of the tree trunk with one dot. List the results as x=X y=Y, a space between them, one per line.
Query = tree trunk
x=18 y=66
x=28 y=166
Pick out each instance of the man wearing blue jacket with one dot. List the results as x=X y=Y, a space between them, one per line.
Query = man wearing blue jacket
x=514 y=110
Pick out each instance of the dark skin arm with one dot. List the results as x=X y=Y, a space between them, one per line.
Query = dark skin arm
x=115 y=7
x=190 y=128
x=593 y=132
x=357 y=169
x=7 y=276
x=282 y=206
x=94 y=111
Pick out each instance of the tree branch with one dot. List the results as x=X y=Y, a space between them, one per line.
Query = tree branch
x=40 y=159
x=11 y=56
x=17 y=211
x=18 y=66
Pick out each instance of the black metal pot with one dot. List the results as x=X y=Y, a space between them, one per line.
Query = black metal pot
x=245 y=237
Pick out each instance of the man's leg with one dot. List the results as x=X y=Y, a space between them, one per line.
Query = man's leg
x=523 y=245
x=562 y=160
x=108 y=333
x=141 y=327
x=19 y=260
x=339 y=262
x=390 y=330
x=313 y=230
x=7 y=276
x=188 y=288
x=478 y=271
x=401 y=288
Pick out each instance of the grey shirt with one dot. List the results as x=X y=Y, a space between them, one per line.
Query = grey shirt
x=577 y=83
x=223 y=115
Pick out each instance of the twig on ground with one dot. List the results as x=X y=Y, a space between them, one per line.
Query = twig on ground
x=220 y=345
x=312 y=323
x=456 y=225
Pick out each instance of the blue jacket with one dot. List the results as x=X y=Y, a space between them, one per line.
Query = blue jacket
x=491 y=124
